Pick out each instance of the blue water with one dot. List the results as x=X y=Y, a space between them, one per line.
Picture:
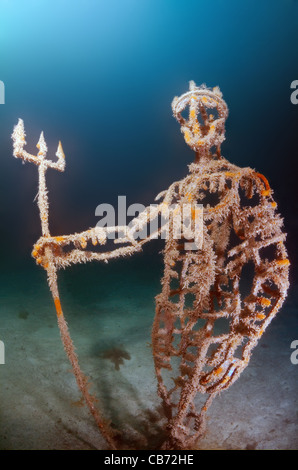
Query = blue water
x=100 y=76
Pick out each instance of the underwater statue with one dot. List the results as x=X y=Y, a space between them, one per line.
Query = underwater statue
x=232 y=223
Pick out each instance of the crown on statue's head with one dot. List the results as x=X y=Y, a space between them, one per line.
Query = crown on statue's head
x=209 y=106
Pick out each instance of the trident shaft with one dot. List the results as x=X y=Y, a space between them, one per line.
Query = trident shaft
x=19 y=142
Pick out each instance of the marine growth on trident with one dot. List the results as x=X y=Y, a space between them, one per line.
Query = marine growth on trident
x=200 y=286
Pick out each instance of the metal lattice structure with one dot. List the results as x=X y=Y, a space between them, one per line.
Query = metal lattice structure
x=235 y=224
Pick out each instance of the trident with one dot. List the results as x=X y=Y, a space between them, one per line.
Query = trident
x=19 y=142
x=48 y=262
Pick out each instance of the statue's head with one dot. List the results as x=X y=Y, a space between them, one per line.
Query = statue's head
x=204 y=127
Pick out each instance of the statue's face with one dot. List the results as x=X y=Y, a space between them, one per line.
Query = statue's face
x=204 y=126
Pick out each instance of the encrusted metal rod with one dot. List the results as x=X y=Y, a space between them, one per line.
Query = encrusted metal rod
x=48 y=262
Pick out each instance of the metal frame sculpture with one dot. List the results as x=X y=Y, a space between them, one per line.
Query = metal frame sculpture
x=238 y=226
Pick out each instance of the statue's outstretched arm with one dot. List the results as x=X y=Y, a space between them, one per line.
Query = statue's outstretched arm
x=119 y=241
x=86 y=246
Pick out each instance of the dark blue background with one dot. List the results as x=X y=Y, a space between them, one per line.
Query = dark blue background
x=100 y=76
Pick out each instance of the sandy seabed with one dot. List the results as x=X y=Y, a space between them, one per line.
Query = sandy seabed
x=110 y=318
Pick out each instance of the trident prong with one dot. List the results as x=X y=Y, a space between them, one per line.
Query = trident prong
x=42 y=146
x=19 y=141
